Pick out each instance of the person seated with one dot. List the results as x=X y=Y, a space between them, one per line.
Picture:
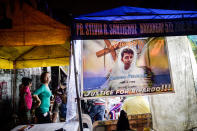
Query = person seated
x=123 y=122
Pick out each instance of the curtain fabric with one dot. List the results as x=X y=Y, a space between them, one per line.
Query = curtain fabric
x=177 y=111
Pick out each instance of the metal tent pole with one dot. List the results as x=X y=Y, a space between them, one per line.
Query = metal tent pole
x=14 y=88
x=77 y=91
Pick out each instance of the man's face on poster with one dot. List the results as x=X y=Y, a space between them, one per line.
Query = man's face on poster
x=127 y=60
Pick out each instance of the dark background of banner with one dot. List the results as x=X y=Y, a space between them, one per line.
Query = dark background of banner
x=169 y=28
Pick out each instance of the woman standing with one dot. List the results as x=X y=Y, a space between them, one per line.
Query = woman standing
x=42 y=96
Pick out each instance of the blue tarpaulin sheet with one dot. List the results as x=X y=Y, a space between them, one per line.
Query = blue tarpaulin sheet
x=127 y=22
x=135 y=13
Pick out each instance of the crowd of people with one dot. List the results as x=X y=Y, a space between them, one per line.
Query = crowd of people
x=42 y=105
x=117 y=108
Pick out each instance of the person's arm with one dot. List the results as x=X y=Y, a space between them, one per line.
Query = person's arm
x=35 y=95
x=58 y=92
x=38 y=101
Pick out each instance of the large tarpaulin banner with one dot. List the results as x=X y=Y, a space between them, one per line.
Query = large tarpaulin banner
x=125 y=67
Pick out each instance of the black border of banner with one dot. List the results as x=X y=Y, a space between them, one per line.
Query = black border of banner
x=179 y=27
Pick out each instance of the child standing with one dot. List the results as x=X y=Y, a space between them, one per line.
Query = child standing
x=25 y=101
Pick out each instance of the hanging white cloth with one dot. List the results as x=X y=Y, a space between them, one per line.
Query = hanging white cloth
x=71 y=95
x=71 y=100
x=176 y=111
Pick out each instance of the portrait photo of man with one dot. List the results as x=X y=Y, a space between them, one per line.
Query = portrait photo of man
x=126 y=57
x=126 y=74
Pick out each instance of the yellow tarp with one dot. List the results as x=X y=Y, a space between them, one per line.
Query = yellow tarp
x=34 y=56
x=35 y=40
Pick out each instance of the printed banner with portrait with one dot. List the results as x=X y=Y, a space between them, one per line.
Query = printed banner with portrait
x=114 y=67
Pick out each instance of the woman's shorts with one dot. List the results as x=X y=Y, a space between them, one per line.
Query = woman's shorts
x=56 y=107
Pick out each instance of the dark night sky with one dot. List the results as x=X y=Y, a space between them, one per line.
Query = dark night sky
x=62 y=8
x=87 y=6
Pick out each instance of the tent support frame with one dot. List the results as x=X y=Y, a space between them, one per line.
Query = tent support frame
x=14 y=88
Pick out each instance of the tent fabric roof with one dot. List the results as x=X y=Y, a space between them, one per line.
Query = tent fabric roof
x=35 y=40
x=32 y=27
x=136 y=13
x=34 y=56
x=133 y=22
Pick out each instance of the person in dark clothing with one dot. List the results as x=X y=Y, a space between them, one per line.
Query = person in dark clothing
x=123 y=122
x=97 y=110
